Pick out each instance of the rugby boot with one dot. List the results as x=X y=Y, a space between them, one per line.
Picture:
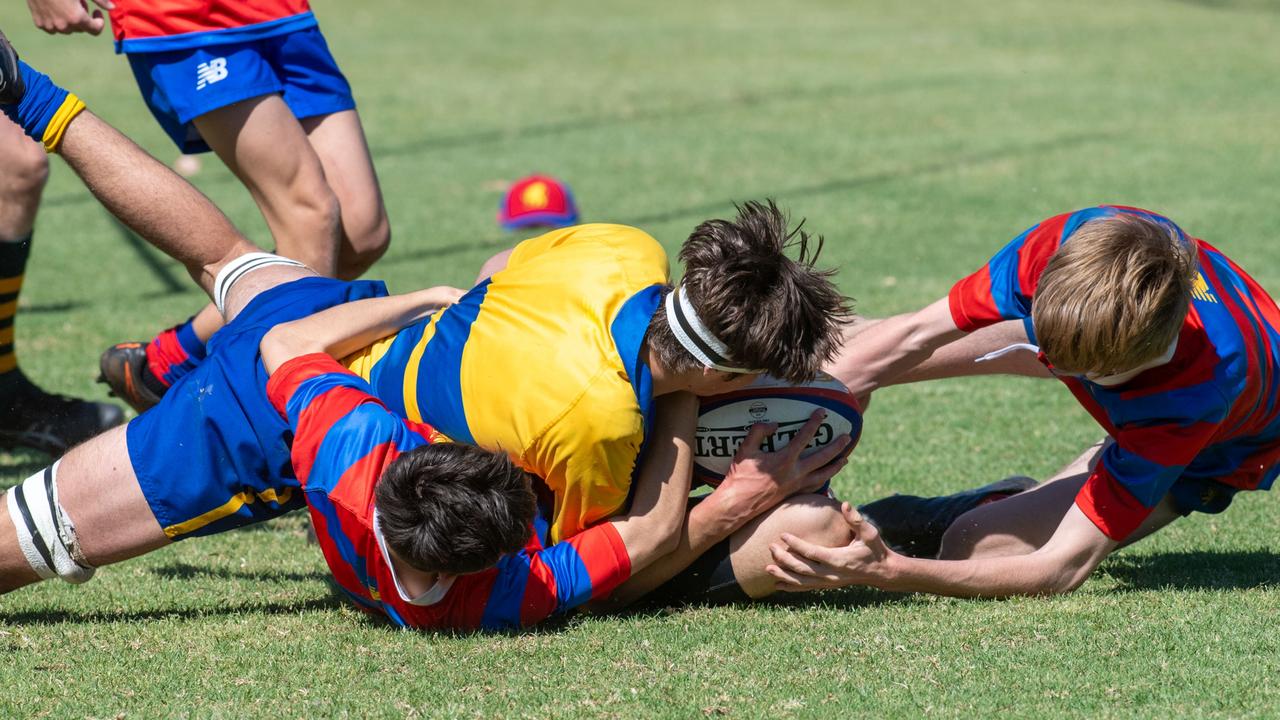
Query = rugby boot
x=124 y=370
x=11 y=85
x=912 y=525
x=52 y=423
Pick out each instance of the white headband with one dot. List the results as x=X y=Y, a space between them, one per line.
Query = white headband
x=694 y=336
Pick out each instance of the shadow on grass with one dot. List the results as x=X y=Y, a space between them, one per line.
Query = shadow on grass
x=1195 y=570
x=186 y=571
x=58 y=617
x=701 y=211
x=735 y=100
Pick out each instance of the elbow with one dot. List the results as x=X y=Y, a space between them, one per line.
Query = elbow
x=1065 y=580
x=655 y=539
x=283 y=342
x=918 y=337
x=665 y=536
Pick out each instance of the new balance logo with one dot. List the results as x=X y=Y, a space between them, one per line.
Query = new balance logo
x=211 y=72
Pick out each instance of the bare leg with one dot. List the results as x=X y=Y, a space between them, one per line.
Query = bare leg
x=1023 y=523
x=100 y=493
x=21 y=183
x=151 y=199
x=264 y=145
x=338 y=139
x=815 y=518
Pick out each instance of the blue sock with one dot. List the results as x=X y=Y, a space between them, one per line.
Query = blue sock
x=39 y=103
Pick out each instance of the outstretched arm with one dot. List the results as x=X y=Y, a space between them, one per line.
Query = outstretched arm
x=139 y=190
x=1059 y=566
x=343 y=329
x=973 y=354
x=872 y=357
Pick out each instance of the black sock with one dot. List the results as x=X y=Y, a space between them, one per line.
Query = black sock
x=13 y=266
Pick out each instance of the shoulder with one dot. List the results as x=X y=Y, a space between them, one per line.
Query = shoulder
x=598 y=244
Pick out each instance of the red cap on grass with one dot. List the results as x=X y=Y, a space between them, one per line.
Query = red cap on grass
x=537 y=200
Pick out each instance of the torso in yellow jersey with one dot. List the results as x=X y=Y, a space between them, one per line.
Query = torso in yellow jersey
x=541 y=361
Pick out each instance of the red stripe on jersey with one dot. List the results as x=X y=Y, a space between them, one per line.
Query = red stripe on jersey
x=355 y=489
x=343 y=573
x=1193 y=363
x=314 y=422
x=1077 y=388
x=605 y=557
x=539 y=592
x=972 y=306
x=284 y=382
x=1039 y=245
x=1167 y=445
x=1112 y=508
x=1241 y=412
x=470 y=598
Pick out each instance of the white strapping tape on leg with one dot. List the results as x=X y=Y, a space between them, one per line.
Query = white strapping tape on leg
x=238 y=268
x=45 y=533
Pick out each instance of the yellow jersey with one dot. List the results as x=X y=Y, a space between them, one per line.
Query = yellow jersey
x=541 y=361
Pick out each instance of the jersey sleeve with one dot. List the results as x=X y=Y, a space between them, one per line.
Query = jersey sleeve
x=1002 y=289
x=1138 y=470
x=314 y=393
x=538 y=582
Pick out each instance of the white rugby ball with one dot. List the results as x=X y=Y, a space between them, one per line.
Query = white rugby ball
x=724 y=420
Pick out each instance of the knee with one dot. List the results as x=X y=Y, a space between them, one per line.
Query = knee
x=26 y=173
x=315 y=228
x=968 y=538
x=368 y=236
x=958 y=542
x=817 y=518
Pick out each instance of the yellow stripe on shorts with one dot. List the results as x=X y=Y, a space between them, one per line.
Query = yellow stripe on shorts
x=230 y=507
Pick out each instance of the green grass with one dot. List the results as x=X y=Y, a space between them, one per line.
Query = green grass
x=918 y=137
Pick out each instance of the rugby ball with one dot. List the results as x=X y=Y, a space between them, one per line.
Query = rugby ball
x=723 y=420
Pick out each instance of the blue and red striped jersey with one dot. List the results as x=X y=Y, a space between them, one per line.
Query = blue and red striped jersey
x=1209 y=413
x=344 y=438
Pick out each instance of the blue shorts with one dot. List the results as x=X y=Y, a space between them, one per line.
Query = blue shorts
x=214 y=454
x=1201 y=495
x=182 y=85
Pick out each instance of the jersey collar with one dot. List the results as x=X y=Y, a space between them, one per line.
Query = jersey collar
x=430 y=597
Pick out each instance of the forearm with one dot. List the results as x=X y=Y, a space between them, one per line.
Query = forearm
x=150 y=199
x=708 y=523
x=1031 y=574
x=650 y=529
x=343 y=329
x=961 y=357
x=870 y=358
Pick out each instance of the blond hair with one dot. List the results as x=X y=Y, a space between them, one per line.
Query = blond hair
x=1115 y=295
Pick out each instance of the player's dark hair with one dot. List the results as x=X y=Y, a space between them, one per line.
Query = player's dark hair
x=454 y=508
x=775 y=313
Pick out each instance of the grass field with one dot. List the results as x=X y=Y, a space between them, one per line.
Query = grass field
x=918 y=137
